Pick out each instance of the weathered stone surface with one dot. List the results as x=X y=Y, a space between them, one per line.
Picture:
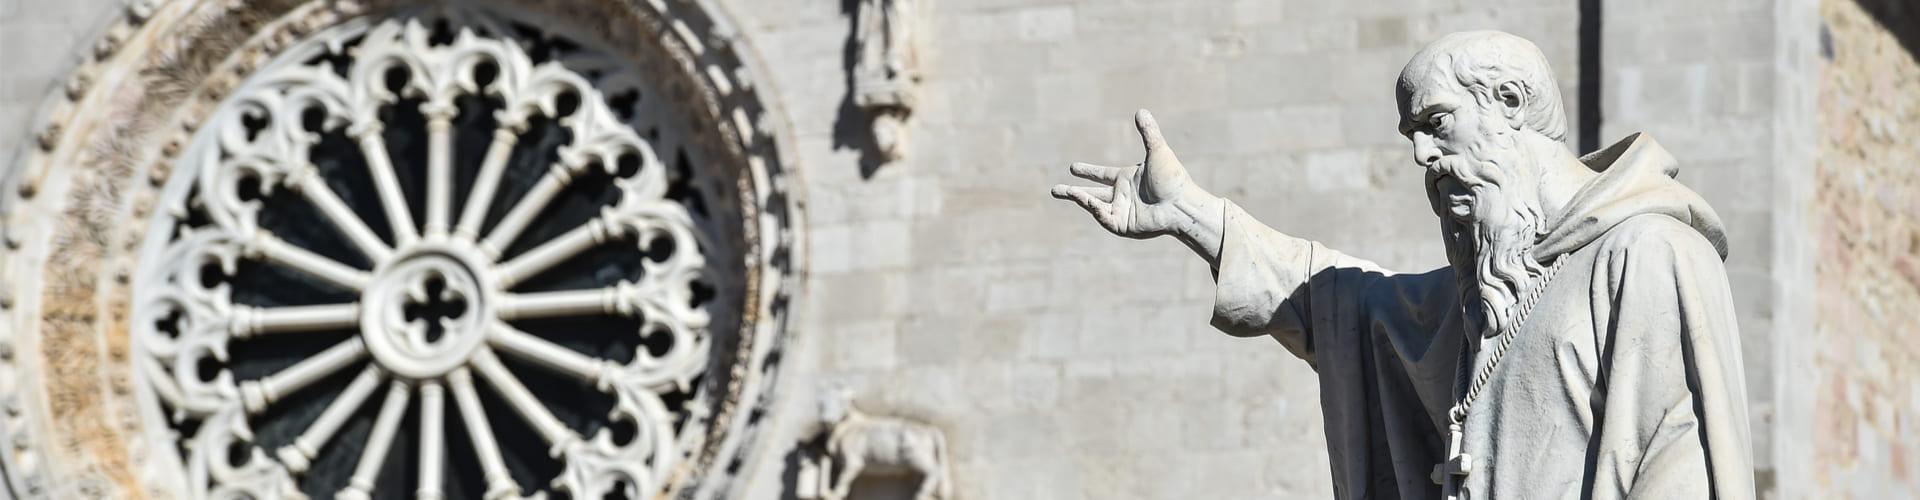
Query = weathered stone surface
x=1863 y=437
x=998 y=109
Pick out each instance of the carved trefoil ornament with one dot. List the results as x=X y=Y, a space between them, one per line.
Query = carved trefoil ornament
x=886 y=69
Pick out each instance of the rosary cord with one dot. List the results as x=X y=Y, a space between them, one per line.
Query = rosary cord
x=1459 y=412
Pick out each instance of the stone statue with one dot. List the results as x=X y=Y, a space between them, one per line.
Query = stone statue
x=859 y=443
x=1580 y=344
x=886 y=71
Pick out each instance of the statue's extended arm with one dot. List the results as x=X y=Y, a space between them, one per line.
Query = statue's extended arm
x=1265 y=281
x=1261 y=274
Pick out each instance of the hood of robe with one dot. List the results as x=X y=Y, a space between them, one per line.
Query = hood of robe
x=1636 y=178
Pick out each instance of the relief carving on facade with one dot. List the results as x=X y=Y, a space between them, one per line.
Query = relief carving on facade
x=886 y=70
x=854 y=444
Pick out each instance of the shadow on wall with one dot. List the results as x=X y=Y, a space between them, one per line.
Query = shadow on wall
x=868 y=487
x=1900 y=17
x=884 y=488
x=853 y=126
x=796 y=463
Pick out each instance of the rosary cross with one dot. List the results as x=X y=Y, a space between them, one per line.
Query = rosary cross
x=1459 y=464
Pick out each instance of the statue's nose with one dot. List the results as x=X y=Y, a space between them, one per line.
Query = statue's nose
x=1425 y=153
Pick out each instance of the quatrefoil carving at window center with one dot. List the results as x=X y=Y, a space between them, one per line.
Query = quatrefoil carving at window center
x=430 y=309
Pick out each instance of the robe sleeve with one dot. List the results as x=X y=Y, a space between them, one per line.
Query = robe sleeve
x=1664 y=312
x=1261 y=284
x=1374 y=337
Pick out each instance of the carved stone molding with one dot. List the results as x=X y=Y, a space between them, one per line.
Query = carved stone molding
x=139 y=356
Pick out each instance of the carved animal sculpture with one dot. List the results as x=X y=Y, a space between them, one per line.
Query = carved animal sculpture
x=859 y=443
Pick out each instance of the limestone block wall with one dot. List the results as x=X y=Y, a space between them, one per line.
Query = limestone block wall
x=1865 y=443
x=1065 y=363
x=39 y=43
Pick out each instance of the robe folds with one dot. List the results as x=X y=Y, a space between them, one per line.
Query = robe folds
x=1625 y=382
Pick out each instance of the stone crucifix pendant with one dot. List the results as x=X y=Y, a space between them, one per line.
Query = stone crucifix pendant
x=1458 y=465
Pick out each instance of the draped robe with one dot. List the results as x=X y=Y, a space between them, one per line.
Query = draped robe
x=1625 y=381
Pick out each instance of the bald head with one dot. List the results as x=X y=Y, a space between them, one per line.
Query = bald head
x=1496 y=69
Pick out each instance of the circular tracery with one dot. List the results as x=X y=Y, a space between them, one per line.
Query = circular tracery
x=414 y=205
x=425 y=312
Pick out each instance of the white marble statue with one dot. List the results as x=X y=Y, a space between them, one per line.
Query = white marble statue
x=1580 y=345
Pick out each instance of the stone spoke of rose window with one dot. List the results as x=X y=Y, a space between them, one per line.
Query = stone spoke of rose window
x=299 y=455
x=480 y=432
x=548 y=355
x=599 y=140
x=524 y=403
x=380 y=165
x=439 y=167
x=266 y=246
x=525 y=91
x=433 y=437
x=529 y=205
x=249 y=321
x=635 y=219
x=257 y=395
x=487 y=180
x=309 y=184
x=625 y=299
x=385 y=427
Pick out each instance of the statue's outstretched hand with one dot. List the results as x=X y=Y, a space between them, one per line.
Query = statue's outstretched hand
x=1148 y=199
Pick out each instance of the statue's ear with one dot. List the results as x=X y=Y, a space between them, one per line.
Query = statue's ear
x=1510 y=97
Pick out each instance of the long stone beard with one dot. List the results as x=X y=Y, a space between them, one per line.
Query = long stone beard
x=1492 y=253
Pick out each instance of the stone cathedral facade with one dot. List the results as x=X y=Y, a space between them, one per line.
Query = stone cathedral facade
x=681 y=248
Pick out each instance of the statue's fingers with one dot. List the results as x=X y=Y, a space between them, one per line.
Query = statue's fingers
x=1088 y=198
x=1149 y=131
x=1103 y=194
x=1096 y=173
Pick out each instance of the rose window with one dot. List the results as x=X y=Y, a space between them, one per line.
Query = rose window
x=443 y=256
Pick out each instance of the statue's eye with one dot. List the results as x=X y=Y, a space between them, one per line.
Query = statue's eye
x=1439 y=120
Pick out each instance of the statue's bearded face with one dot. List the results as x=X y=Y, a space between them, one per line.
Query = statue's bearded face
x=1482 y=184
